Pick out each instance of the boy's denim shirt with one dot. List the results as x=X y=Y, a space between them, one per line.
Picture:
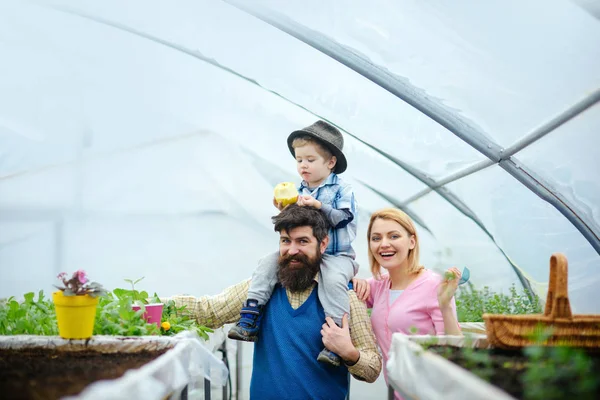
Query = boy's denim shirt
x=339 y=195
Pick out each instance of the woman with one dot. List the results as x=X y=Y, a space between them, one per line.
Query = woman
x=408 y=298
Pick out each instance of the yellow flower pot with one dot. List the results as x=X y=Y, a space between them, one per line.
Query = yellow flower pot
x=75 y=315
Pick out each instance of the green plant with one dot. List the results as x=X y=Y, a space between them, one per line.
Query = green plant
x=478 y=362
x=471 y=303
x=179 y=319
x=114 y=316
x=138 y=297
x=174 y=319
x=449 y=275
x=29 y=317
x=551 y=368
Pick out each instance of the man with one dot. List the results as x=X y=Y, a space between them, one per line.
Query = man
x=291 y=331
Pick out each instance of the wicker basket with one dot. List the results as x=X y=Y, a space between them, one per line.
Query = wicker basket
x=515 y=331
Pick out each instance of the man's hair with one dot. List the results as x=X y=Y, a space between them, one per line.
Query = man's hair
x=295 y=216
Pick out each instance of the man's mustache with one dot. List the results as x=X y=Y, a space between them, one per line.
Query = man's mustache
x=288 y=258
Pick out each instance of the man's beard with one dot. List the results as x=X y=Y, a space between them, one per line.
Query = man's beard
x=299 y=278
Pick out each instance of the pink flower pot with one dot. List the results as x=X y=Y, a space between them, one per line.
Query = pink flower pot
x=153 y=313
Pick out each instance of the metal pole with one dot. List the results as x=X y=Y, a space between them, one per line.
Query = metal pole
x=238 y=371
x=390 y=393
x=184 y=393
x=554 y=123
x=223 y=349
x=206 y=389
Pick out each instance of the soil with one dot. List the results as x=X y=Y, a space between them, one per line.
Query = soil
x=506 y=369
x=37 y=374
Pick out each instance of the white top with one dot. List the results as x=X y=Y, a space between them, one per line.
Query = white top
x=394 y=294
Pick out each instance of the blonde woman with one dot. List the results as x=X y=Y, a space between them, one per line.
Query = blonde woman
x=404 y=296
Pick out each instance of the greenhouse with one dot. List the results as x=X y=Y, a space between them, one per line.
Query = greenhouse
x=141 y=142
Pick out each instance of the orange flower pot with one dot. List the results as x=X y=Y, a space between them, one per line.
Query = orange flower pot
x=75 y=315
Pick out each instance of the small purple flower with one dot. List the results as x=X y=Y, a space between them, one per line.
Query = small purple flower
x=81 y=276
x=79 y=285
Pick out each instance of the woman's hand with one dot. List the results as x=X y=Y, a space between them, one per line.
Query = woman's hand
x=447 y=288
x=337 y=339
x=362 y=288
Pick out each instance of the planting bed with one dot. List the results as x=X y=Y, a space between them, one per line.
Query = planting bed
x=41 y=373
x=519 y=376
x=105 y=367
x=465 y=367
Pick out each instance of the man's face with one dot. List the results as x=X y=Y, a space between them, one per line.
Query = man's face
x=299 y=257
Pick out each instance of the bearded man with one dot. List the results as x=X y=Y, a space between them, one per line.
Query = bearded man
x=291 y=331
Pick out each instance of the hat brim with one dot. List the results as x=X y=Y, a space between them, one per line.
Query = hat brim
x=341 y=163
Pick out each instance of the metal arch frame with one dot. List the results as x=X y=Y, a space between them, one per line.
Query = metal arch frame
x=490 y=149
x=432 y=185
x=459 y=126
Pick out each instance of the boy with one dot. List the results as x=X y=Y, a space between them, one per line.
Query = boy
x=319 y=157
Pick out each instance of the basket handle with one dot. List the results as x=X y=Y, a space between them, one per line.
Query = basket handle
x=557 y=301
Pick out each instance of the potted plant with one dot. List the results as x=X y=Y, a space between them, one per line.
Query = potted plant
x=37 y=364
x=152 y=312
x=75 y=303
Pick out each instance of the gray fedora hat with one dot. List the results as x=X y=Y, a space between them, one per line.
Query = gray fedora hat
x=329 y=136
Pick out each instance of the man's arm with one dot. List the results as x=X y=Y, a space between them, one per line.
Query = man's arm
x=368 y=366
x=216 y=311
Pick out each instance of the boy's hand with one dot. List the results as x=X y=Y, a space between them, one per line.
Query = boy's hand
x=362 y=288
x=277 y=204
x=309 y=201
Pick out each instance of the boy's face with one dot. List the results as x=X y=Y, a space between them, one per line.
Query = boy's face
x=312 y=166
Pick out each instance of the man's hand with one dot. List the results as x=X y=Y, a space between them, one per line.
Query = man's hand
x=308 y=200
x=362 y=288
x=338 y=339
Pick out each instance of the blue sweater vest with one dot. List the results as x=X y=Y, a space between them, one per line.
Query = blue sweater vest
x=285 y=356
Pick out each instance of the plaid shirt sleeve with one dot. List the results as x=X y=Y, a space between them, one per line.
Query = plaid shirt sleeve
x=224 y=308
x=368 y=366
x=216 y=311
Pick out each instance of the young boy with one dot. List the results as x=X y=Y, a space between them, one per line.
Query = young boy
x=319 y=157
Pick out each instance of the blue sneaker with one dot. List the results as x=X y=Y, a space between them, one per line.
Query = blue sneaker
x=247 y=327
x=329 y=357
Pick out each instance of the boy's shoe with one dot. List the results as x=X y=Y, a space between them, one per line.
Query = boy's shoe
x=329 y=357
x=247 y=327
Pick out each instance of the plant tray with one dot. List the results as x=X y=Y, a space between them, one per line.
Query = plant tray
x=105 y=367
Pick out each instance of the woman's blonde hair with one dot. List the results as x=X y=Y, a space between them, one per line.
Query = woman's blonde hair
x=393 y=214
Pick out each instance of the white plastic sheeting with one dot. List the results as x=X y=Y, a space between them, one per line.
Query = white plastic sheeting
x=419 y=374
x=144 y=139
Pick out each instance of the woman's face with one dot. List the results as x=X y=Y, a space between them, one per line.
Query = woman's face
x=390 y=242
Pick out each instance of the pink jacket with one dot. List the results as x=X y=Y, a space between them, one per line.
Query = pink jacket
x=416 y=311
